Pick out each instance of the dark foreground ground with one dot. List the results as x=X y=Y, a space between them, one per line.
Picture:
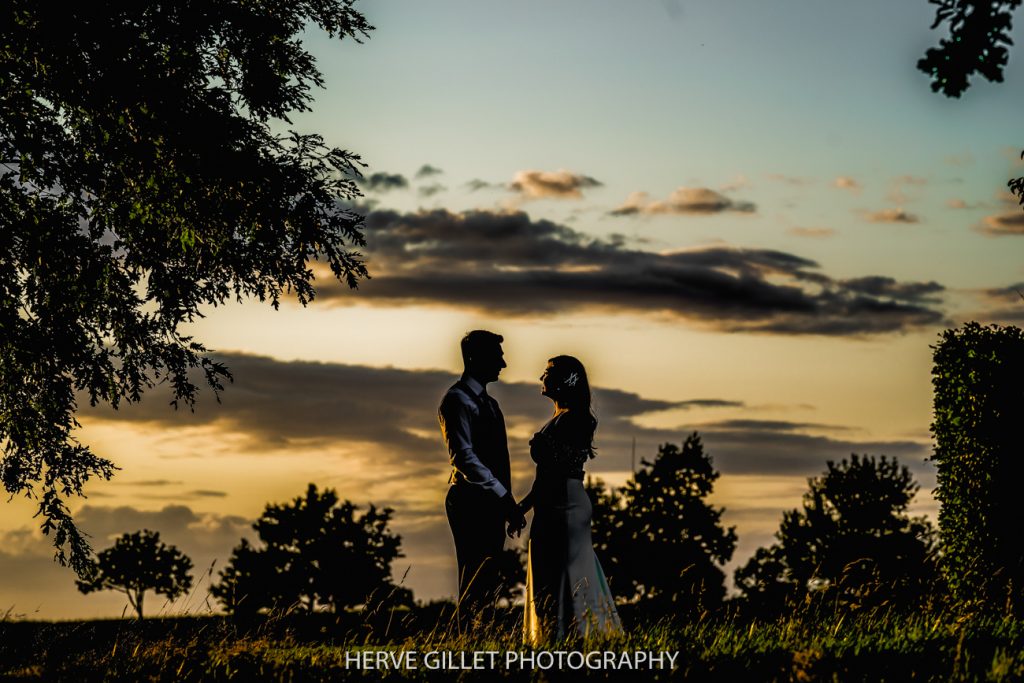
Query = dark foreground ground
x=422 y=645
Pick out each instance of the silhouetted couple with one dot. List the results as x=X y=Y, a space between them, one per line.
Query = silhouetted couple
x=566 y=591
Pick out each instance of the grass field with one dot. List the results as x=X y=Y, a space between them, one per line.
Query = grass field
x=871 y=646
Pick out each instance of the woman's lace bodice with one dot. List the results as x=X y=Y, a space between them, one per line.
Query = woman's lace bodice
x=558 y=457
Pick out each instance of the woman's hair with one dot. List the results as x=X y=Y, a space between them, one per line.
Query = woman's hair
x=573 y=392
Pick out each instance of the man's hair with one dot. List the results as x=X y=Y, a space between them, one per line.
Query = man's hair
x=478 y=340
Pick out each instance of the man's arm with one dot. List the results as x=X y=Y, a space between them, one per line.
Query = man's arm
x=454 y=416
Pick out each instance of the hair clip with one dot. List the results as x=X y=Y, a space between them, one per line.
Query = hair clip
x=571 y=380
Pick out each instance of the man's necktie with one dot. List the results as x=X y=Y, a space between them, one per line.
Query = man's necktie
x=492 y=405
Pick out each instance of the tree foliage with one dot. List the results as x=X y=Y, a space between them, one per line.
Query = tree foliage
x=511 y=574
x=137 y=563
x=659 y=541
x=979 y=33
x=315 y=552
x=605 y=521
x=852 y=540
x=978 y=380
x=141 y=180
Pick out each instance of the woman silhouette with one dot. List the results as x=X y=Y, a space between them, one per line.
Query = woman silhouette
x=566 y=590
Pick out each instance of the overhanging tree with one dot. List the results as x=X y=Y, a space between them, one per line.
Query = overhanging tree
x=140 y=180
x=979 y=33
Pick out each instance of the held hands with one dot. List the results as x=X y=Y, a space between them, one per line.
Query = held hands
x=516 y=528
x=514 y=516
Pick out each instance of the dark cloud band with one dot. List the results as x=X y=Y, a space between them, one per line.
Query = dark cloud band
x=427 y=170
x=279 y=404
x=510 y=264
x=1003 y=225
x=384 y=182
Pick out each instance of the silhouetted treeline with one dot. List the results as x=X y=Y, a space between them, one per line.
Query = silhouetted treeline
x=851 y=544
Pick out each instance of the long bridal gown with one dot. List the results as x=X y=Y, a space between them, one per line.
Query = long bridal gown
x=566 y=591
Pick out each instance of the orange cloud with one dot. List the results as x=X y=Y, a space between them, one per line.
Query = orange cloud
x=1003 y=224
x=812 y=232
x=847 y=183
x=559 y=184
x=897 y=195
x=740 y=182
x=789 y=180
x=684 y=200
x=892 y=216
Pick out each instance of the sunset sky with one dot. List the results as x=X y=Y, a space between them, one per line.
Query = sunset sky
x=747 y=219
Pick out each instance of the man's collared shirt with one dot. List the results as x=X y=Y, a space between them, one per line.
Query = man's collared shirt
x=455 y=415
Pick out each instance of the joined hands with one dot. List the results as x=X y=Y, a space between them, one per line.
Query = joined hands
x=515 y=517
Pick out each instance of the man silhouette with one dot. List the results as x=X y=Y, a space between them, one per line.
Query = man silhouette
x=479 y=501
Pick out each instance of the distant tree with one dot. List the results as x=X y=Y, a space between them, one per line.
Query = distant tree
x=979 y=35
x=978 y=380
x=605 y=522
x=767 y=586
x=137 y=563
x=247 y=582
x=511 y=574
x=666 y=544
x=142 y=180
x=852 y=540
x=316 y=552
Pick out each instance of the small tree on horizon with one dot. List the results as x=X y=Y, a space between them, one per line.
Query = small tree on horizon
x=137 y=563
x=315 y=552
x=852 y=539
x=660 y=543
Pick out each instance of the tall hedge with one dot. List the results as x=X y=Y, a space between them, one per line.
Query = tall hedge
x=978 y=376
